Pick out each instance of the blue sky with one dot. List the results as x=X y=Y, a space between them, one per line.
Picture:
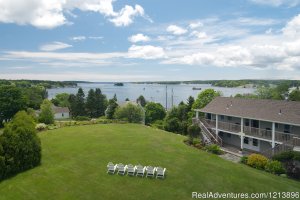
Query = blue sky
x=116 y=40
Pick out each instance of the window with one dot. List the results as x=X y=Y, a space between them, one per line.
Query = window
x=247 y=122
x=208 y=116
x=255 y=142
x=276 y=125
x=62 y=114
x=246 y=140
x=222 y=117
x=221 y=134
x=229 y=118
x=287 y=128
x=228 y=135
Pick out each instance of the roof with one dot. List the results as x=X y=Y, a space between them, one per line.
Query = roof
x=262 y=109
x=60 y=109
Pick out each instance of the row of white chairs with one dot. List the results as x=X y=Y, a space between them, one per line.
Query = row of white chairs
x=137 y=170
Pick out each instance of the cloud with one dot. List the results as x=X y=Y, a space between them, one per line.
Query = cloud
x=95 y=37
x=71 y=76
x=200 y=35
x=276 y=3
x=46 y=14
x=127 y=14
x=146 y=52
x=78 y=38
x=195 y=25
x=54 y=46
x=176 y=30
x=39 y=13
x=292 y=29
x=139 y=38
x=277 y=49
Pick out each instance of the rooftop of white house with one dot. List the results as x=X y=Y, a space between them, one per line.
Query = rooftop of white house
x=279 y=111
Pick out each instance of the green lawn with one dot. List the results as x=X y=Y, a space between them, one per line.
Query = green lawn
x=75 y=158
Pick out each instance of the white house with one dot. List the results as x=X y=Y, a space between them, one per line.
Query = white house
x=61 y=112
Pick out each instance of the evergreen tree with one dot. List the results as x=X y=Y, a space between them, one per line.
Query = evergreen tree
x=72 y=106
x=47 y=115
x=91 y=103
x=100 y=103
x=80 y=103
x=190 y=102
x=141 y=100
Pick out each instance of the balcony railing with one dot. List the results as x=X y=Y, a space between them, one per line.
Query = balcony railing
x=255 y=132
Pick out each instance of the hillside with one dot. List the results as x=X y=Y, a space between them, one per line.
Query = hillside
x=75 y=158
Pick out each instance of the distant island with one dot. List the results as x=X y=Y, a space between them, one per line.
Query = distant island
x=118 y=84
x=40 y=83
x=246 y=83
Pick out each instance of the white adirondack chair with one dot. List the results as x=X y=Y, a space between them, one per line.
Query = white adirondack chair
x=150 y=171
x=160 y=172
x=111 y=168
x=140 y=170
x=121 y=168
x=131 y=170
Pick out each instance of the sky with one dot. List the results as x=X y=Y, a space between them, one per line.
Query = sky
x=131 y=40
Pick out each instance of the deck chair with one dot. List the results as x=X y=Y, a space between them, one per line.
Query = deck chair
x=140 y=170
x=131 y=170
x=160 y=172
x=150 y=171
x=121 y=168
x=111 y=168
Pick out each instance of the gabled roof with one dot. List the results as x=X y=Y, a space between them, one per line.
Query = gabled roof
x=262 y=109
x=60 y=109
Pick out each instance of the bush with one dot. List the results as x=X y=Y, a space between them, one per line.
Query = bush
x=215 y=149
x=82 y=118
x=41 y=127
x=130 y=112
x=158 y=124
x=196 y=141
x=274 y=167
x=290 y=160
x=21 y=147
x=244 y=160
x=257 y=161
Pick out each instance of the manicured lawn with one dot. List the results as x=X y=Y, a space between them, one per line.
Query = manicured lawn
x=75 y=158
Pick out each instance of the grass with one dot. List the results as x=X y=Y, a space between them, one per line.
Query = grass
x=75 y=158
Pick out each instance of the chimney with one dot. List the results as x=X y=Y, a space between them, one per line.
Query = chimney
x=279 y=112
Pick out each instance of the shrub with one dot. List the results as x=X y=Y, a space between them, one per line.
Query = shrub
x=274 y=167
x=244 y=159
x=257 y=161
x=41 y=127
x=21 y=146
x=290 y=160
x=158 y=124
x=82 y=118
x=215 y=149
x=196 y=141
x=130 y=112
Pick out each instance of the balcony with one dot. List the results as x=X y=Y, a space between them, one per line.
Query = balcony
x=255 y=132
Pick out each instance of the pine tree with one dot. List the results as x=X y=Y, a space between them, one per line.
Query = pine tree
x=91 y=103
x=80 y=103
x=100 y=103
